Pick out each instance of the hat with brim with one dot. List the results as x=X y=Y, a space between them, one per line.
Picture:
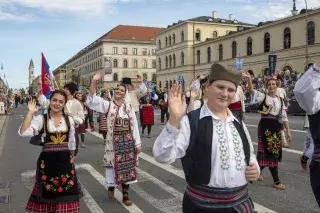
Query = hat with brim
x=126 y=80
x=219 y=72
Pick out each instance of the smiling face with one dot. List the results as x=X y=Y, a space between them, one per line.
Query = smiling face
x=57 y=102
x=120 y=92
x=79 y=96
x=272 y=86
x=220 y=93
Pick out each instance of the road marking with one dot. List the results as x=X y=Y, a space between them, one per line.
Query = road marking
x=285 y=149
x=292 y=130
x=117 y=194
x=178 y=172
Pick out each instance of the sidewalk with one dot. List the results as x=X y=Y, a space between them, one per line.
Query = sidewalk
x=4 y=185
x=3 y=119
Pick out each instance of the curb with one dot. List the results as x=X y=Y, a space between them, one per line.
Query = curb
x=4 y=122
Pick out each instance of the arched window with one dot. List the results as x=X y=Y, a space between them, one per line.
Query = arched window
x=170 y=84
x=145 y=76
x=182 y=35
x=170 y=61
x=287 y=38
x=198 y=56
x=174 y=60
x=160 y=84
x=249 y=46
x=174 y=38
x=159 y=44
x=159 y=64
x=125 y=63
x=266 y=42
x=154 y=78
x=220 y=52
x=166 y=41
x=170 y=40
x=115 y=77
x=115 y=63
x=214 y=34
x=166 y=61
x=198 y=35
x=234 y=49
x=154 y=64
x=144 y=64
x=182 y=58
x=209 y=54
x=135 y=63
x=311 y=32
x=167 y=83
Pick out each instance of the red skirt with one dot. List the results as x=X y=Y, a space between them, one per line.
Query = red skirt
x=82 y=128
x=147 y=115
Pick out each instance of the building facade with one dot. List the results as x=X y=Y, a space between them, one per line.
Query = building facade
x=60 y=76
x=285 y=38
x=130 y=49
x=34 y=85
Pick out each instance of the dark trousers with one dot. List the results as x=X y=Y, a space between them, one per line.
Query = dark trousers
x=149 y=128
x=274 y=172
x=314 y=179
x=164 y=112
x=188 y=206
x=76 y=135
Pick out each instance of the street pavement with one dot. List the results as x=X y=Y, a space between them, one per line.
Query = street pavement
x=160 y=187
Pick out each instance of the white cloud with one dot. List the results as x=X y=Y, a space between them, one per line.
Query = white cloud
x=7 y=16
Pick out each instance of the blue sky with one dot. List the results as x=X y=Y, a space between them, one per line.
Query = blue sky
x=60 y=28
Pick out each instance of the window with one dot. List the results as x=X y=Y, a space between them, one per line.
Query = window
x=220 y=52
x=170 y=61
x=209 y=54
x=266 y=42
x=174 y=38
x=166 y=61
x=159 y=44
x=198 y=35
x=134 y=51
x=125 y=63
x=182 y=58
x=114 y=50
x=174 y=60
x=198 y=56
x=144 y=51
x=214 y=34
x=144 y=64
x=234 y=49
x=145 y=76
x=135 y=63
x=115 y=77
x=160 y=84
x=287 y=38
x=170 y=40
x=170 y=84
x=154 y=78
x=249 y=46
x=115 y=63
x=159 y=63
x=182 y=35
x=311 y=33
x=166 y=41
x=167 y=83
x=153 y=51
x=154 y=64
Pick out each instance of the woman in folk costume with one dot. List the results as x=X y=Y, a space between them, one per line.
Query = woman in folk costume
x=273 y=118
x=197 y=94
x=214 y=146
x=147 y=111
x=82 y=127
x=123 y=140
x=56 y=188
x=102 y=119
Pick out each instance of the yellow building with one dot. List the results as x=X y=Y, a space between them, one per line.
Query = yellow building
x=207 y=40
x=34 y=84
x=131 y=49
x=60 y=76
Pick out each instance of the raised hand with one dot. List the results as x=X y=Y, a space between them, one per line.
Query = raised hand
x=97 y=76
x=193 y=93
x=32 y=106
x=177 y=105
x=203 y=76
x=245 y=74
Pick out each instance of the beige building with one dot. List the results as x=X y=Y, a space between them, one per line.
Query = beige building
x=131 y=49
x=207 y=40
x=60 y=76
x=34 y=84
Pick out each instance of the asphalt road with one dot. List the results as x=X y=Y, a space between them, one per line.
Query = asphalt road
x=160 y=187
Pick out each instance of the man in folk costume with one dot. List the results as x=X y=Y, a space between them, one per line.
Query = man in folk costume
x=214 y=146
x=147 y=111
x=307 y=94
x=163 y=103
x=237 y=105
x=73 y=108
x=123 y=143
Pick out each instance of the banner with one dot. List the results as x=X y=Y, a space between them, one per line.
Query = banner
x=239 y=63
x=272 y=59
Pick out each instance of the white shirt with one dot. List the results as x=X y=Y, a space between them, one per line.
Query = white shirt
x=239 y=96
x=306 y=92
x=281 y=93
x=37 y=124
x=100 y=105
x=172 y=144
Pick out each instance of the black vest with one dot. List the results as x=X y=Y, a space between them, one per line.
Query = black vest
x=54 y=136
x=314 y=127
x=197 y=161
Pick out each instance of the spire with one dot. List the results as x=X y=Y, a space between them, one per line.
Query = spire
x=294 y=10
x=31 y=65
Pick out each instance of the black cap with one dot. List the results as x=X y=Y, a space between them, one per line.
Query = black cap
x=126 y=80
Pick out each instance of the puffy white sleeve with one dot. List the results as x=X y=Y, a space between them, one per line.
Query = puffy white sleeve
x=306 y=91
x=172 y=143
x=97 y=103
x=34 y=128
x=136 y=134
x=43 y=101
x=257 y=97
x=72 y=139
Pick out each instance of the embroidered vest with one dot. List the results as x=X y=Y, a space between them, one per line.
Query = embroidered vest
x=265 y=108
x=197 y=161
x=54 y=137
x=314 y=127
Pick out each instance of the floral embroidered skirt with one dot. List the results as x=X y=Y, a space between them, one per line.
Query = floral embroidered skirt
x=103 y=126
x=56 y=186
x=269 y=141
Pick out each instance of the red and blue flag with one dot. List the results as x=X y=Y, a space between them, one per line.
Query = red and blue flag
x=47 y=86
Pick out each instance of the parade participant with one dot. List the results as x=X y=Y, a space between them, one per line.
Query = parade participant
x=308 y=145
x=147 y=112
x=72 y=108
x=214 y=146
x=163 y=103
x=307 y=94
x=123 y=140
x=102 y=119
x=237 y=105
x=56 y=186
x=81 y=129
x=134 y=93
x=273 y=116
x=198 y=97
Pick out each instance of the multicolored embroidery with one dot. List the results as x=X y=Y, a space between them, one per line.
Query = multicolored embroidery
x=237 y=150
x=224 y=152
x=274 y=141
x=56 y=184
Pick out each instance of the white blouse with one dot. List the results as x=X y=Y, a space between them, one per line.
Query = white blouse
x=98 y=104
x=172 y=144
x=37 y=124
x=239 y=96
x=275 y=102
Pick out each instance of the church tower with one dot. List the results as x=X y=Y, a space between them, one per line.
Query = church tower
x=31 y=72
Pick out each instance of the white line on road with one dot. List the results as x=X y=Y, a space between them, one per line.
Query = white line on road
x=292 y=130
